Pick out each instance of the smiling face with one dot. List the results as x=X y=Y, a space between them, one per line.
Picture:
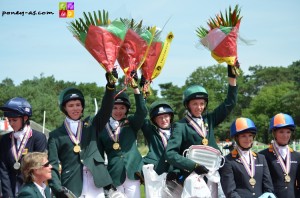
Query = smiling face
x=119 y=111
x=282 y=136
x=196 y=107
x=74 y=109
x=43 y=173
x=245 y=140
x=16 y=123
x=163 y=120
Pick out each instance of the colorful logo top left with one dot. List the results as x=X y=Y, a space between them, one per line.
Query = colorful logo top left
x=66 y=9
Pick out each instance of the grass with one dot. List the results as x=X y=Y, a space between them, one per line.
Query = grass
x=142 y=188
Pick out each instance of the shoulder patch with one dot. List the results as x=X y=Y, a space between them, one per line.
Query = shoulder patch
x=234 y=153
x=271 y=149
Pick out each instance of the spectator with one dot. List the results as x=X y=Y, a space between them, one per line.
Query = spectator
x=36 y=170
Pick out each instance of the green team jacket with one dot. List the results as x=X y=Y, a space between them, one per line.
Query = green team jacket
x=156 y=154
x=60 y=149
x=30 y=190
x=184 y=135
x=127 y=160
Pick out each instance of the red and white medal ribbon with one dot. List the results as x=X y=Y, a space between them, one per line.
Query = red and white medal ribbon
x=250 y=169
x=197 y=128
x=285 y=166
x=163 y=138
x=17 y=154
x=114 y=136
x=75 y=139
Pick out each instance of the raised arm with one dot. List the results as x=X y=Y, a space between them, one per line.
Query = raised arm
x=103 y=115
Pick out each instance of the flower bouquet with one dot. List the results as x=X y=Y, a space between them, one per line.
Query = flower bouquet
x=155 y=60
x=221 y=37
x=101 y=37
x=134 y=48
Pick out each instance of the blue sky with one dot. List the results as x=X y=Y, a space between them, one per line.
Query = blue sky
x=32 y=45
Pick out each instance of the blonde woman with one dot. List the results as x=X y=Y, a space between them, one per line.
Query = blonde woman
x=36 y=170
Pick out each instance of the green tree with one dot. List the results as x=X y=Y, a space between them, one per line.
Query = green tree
x=262 y=93
x=173 y=94
x=268 y=102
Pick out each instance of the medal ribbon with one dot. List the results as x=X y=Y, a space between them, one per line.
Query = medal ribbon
x=286 y=167
x=250 y=170
x=75 y=139
x=114 y=136
x=195 y=126
x=17 y=155
x=163 y=137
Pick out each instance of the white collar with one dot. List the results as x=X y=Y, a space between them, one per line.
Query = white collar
x=246 y=154
x=69 y=120
x=197 y=120
x=20 y=134
x=113 y=123
x=41 y=188
x=73 y=125
x=282 y=150
x=166 y=131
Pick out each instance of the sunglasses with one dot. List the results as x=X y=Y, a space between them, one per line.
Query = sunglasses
x=47 y=164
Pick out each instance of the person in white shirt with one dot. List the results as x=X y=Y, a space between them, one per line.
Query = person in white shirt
x=282 y=160
x=36 y=170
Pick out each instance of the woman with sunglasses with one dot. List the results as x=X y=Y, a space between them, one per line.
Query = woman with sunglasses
x=36 y=170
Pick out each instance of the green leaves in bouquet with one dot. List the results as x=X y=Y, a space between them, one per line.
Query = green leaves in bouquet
x=157 y=34
x=138 y=27
x=79 y=27
x=229 y=19
x=132 y=24
x=201 y=32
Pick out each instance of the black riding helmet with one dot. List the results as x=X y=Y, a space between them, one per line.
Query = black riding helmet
x=122 y=98
x=160 y=107
x=70 y=94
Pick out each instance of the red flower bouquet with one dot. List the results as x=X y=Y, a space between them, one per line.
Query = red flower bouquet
x=102 y=38
x=221 y=38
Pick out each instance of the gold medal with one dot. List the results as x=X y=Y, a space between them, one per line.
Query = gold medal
x=17 y=166
x=76 y=149
x=116 y=146
x=252 y=181
x=205 y=141
x=287 y=178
